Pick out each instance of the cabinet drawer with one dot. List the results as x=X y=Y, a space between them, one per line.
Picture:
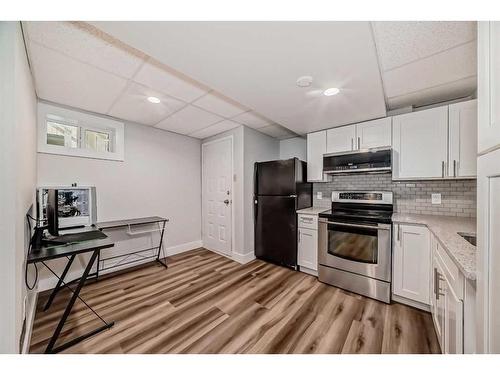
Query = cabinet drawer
x=308 y=221
x=452 y=274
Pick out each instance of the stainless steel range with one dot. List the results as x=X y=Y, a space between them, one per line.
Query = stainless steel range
x=354 y=243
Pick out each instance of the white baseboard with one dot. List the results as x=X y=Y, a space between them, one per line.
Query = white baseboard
x=409 y=302
x=243 y=258
x=30 y=318
x=51 y=281
x=183 y=247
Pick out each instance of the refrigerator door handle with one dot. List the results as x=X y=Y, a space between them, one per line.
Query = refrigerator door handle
x=255 y=209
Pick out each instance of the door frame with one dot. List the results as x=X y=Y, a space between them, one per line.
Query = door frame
x=231 y=138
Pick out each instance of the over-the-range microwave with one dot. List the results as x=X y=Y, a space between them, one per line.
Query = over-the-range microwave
x=373 y=160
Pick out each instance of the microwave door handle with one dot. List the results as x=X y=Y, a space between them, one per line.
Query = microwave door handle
x=358 y=225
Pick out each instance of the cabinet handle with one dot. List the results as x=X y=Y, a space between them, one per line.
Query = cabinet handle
x=359 y=143
x=442 y=169
x=299 y=235
x=454 y=168
x=352 y=144
x=436 y=283
x=397 y=231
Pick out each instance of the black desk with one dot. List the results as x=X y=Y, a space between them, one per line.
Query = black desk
x=94 y=247
x=70 y=251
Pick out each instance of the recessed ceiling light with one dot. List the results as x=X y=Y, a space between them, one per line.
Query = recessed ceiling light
x=153 y=99
x=331 y=91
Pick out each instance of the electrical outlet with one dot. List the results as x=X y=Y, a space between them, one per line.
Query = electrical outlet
x=436 y=198
x=319 y=195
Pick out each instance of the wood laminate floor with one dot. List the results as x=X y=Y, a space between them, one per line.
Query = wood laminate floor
x=206 y=303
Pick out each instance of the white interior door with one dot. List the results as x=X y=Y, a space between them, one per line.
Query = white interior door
x=217 y=195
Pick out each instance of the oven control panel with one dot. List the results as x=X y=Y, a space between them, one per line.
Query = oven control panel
x=361 y=196
x=374 y=197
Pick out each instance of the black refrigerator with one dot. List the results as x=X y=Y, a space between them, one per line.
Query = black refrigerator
x=280 y=189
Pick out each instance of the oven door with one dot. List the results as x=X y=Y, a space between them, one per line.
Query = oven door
x=364 y=249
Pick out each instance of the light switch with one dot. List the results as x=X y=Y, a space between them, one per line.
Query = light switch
x=319 y=195
x=436 y=198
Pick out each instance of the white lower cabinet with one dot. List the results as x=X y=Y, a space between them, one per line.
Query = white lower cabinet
x=425 y=276
x=411 y=260
x=307 y=244
x=447 y=301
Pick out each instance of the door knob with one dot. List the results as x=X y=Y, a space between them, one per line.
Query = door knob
x=226 y=202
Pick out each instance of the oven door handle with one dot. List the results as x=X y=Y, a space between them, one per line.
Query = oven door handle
x=358 y=225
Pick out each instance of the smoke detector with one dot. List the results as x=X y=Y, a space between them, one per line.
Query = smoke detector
x=304 y=81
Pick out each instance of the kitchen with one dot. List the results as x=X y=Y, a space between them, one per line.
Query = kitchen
x=347 y=205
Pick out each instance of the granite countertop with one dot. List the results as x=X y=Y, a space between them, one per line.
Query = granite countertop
x=445 y=229
x=312 y=210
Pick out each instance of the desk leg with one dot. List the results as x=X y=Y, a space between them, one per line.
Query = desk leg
x=57 y=332
x=59 y=283
x=163 y=263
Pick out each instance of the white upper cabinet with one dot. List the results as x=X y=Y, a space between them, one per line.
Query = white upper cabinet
x=316 y=147
x=411 y=261
x=369 y=134
x=463 y=139
x=420 y=143
x=376 y=133
x=341 y=139
x=488 y=85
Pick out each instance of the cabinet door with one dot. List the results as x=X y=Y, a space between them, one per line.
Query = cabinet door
x=437 y=305
x=420 y=144
x=412 y=263
x=316 y=147
x=341 y=139
x=488 y=89
x=439 y=292
x=375 y=133
x=453 y=319
x=463 y=139
x=488 y=254
x=308 y=249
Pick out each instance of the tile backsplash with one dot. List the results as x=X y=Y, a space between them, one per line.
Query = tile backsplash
x=458 y=197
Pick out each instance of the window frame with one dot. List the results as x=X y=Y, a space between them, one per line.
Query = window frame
x=84 y=121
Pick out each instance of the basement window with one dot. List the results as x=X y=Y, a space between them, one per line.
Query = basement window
x=68 y=132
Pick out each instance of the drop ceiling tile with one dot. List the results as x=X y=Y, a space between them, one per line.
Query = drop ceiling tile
x=215 y=129
x=449 y=66
x=217 y=103
x=252 y=120
x=401 y=42
x=133 y=105
x=189 y=120
x=277 y=131
x=66 y=81
x=161 y=78
x=453 y=90
x=85 y=43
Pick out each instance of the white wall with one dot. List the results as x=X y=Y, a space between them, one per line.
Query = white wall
x=258 y=147
x=161 y=175
x=17 y=180
x=293 y=148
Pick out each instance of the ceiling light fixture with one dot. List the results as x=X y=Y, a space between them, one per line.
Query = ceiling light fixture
x=153 y=99
x=331 y=91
